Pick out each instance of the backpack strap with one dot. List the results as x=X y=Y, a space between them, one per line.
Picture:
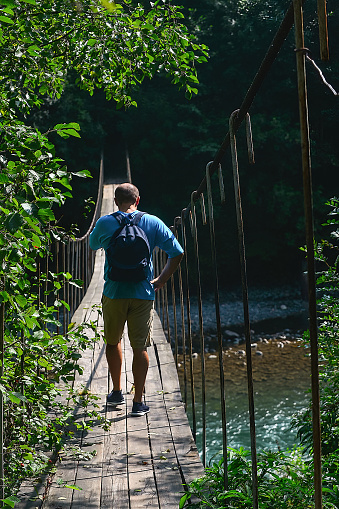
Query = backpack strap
x=137 y=217
x=118 y=216
x=121 y=218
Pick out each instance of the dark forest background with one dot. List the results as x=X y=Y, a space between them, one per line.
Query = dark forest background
x=171 y=139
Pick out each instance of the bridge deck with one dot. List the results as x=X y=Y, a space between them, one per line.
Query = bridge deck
x=139 y=462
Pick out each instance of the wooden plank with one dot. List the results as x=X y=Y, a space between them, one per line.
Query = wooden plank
x=186 y=450
x=114 y=486
x=89 y=473
x=166 y=467
x=142 y=488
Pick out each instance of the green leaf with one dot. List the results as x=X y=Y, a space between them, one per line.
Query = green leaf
x=5 y=19
x=3 y=178
x=73 y=487
x=21 y=300
x=16 y=397
x=46 y=214
x=36 y=241
x=10 y=501
x=183 y=500
x=82 y=173
x=43 y=362
x=4 y=296
x=13 y=222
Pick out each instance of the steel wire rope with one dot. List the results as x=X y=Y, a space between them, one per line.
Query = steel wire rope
x=309 y=231
x=189 y=324
x=243 y=272
x=166 y=311
x=182 y=313
x=174 y=305
x=201 y=327
x=218 y=320
x=323 y=33
x=161 y=266
x=175 y=324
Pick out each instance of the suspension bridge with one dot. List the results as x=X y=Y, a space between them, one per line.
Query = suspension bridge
x=146 y=462
x=141 y=462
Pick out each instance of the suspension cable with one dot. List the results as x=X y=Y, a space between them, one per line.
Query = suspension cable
x=189 y=327
x=247 y=326
x=308 y=206
x=218 y=320
x=201 y=328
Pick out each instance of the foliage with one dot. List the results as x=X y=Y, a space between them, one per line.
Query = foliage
x=35 y=359
x=108 y=46
x=326 y=252
x=284 y=481
x=170 y=140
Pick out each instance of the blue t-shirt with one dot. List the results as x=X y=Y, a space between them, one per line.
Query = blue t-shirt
x=158 y=236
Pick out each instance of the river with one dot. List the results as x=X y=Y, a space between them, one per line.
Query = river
x=281 y=374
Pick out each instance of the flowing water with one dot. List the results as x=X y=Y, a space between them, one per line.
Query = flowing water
x=281 y=374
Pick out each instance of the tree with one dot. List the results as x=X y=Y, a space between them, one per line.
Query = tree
x=109 y=46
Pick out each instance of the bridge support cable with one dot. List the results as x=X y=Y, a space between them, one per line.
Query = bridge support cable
x=174 y=309
x=323 y=33
x=166 y=304
x=189 y=323
x=194 y=230
x=242 y=258
x=218 y=319
x=308 y=206
x=182 y=312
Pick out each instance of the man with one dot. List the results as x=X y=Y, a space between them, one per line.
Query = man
x=132 y=302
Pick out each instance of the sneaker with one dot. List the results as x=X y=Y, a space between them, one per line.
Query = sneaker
x=139 y=409
x=115 y=398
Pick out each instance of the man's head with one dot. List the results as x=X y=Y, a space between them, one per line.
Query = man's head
x=126 y=194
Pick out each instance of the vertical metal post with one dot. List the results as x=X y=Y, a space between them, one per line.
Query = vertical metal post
x=247 y=327
x=323 y=35
x=128 y=167
x=308 y=206
x=189 y=328
x=2 y=345
x=175 y=325
x=162 y=264
x=183 y=331
x=201 y=330
x=218 y=320
x=167 y=315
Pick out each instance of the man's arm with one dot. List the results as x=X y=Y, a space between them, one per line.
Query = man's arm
x=170 y=267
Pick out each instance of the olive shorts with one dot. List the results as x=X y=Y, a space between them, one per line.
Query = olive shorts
x=138 y=313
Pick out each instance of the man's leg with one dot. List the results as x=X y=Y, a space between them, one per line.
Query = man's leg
x=139 y=322
x=114 y=314
x=114 y=361
x=139 y=368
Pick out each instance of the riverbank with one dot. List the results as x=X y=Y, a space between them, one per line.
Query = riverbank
x=273 y=312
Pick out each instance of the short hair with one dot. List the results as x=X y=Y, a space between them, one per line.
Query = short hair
x=126 y=193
